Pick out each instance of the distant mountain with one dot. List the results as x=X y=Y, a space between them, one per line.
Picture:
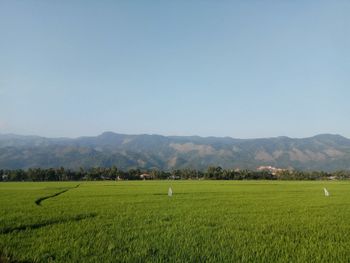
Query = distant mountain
x=322 y=152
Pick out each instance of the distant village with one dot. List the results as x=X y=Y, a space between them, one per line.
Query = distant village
x=212 y=173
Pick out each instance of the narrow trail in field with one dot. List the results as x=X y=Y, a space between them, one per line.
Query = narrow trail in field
x=40 y=199
x=76 y=218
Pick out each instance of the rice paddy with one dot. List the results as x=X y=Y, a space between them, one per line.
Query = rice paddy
x=202 y=221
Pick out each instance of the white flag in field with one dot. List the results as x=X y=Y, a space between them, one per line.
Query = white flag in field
x=170 y=192
x=326 y=193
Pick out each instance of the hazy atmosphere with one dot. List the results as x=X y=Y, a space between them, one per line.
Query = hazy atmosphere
x=174 y=131
x=229 y=68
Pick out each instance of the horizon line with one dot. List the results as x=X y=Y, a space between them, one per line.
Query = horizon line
x=156 y=134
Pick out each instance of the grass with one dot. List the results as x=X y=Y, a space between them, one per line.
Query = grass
x=212 y=221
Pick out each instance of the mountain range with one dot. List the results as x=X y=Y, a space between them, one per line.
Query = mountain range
x=325 y=152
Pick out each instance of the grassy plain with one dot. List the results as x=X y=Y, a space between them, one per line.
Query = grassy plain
x=213 y=221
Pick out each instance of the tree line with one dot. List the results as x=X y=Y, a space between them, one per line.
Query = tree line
x=113 y=173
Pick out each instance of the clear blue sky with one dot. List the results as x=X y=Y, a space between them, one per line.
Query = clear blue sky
x=211 y=68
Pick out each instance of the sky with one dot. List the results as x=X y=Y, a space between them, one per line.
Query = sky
x=243 y=69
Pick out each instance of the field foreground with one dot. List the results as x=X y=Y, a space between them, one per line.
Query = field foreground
x=214 y=221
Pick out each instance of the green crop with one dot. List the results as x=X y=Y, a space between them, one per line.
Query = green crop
x=204 y=221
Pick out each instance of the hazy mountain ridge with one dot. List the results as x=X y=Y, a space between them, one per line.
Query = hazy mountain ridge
x=322 y=152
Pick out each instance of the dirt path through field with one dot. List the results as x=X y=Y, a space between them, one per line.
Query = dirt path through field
x=40 y=199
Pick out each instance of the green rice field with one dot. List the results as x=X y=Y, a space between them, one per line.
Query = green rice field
x=204 y=221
